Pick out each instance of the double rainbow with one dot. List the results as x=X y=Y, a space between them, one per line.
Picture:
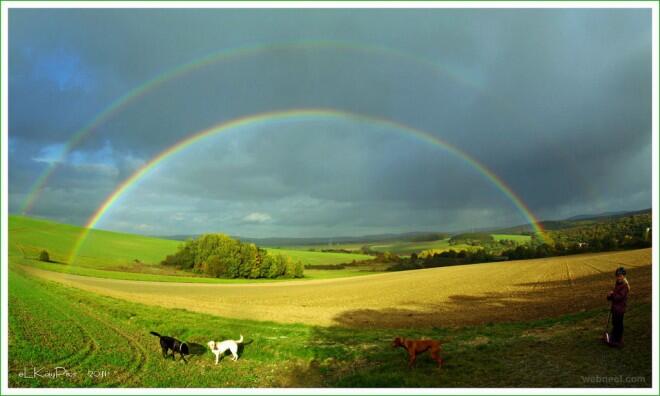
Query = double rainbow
x=304 y=113
x=227 y=55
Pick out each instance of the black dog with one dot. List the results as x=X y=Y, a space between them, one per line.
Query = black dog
x=175 y=345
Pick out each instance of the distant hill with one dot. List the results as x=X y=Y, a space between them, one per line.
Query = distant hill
x=609 y=215
x=418 y=236
x=283 y=241
x=579 y=220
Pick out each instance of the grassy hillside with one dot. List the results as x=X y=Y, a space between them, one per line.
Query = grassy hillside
x=126 y=256
x=105 y=342
x=103 y=249
x=579 y=221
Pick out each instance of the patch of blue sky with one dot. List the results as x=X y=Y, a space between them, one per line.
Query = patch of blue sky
x=50 y=154
x=64 y=69
x=53 y=153
x=103 y=156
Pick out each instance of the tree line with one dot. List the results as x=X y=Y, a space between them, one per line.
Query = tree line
x=630 y=232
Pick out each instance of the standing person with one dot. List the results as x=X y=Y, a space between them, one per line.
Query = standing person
x=619 y=298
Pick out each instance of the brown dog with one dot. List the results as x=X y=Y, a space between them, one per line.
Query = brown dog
x=415 y=347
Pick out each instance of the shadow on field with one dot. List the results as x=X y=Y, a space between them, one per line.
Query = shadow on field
x=196 y=349
x=530 y=301
x=515 y=337
x=550 y=352
x=342 y=358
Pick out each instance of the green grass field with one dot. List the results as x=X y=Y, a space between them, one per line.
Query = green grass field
x=100 y=341
x=125 y=256
x=103 y=249
x=406 y=248
x=352 y=247
x=512 y=237
x=401 y=248
x=317 y=258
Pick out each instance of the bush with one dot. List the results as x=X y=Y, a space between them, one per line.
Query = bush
x=215 y=267
x=219 y=255
x=277 y=266
x=44 y=256
x=293 y=269
x=299 y=270
x=184 y=258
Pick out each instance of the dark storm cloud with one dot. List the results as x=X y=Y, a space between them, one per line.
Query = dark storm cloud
x=555 y=102
x=333 y=158
x=348 y=177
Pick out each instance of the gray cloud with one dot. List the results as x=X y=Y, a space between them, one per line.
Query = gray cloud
x=555 y=102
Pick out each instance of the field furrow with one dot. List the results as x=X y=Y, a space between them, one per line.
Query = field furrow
x=35 y=335
x=138 y=354
x=91 y=341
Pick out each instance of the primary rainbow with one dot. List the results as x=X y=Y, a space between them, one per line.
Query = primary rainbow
x=216 y=57
x=302 y=113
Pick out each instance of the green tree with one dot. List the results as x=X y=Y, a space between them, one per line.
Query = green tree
x=277 y=266
x=219 y=255
x=299 y=270
x=267 y=263
x=215 y=267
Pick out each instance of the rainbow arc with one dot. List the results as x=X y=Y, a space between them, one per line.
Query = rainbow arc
x=302 y=114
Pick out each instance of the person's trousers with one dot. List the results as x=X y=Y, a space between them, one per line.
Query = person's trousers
x=617 y=327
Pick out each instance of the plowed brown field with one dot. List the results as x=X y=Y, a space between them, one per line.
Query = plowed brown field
x=450 y=296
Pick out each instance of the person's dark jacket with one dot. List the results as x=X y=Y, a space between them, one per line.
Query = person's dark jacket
x=619 y=297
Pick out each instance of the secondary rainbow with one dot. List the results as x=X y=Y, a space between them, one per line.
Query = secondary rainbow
x=291 y=114
x=217 y=57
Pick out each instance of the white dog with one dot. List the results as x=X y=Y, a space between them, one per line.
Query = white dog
x=218 y=348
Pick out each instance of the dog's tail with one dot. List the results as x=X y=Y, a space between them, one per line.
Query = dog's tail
x=154 y=333
x=241 y=340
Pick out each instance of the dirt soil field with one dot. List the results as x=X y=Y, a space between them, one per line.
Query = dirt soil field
x=450 y=296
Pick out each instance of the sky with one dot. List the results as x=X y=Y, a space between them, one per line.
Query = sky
x=556 y=103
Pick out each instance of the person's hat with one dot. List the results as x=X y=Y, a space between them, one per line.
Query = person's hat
x=620 y=271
